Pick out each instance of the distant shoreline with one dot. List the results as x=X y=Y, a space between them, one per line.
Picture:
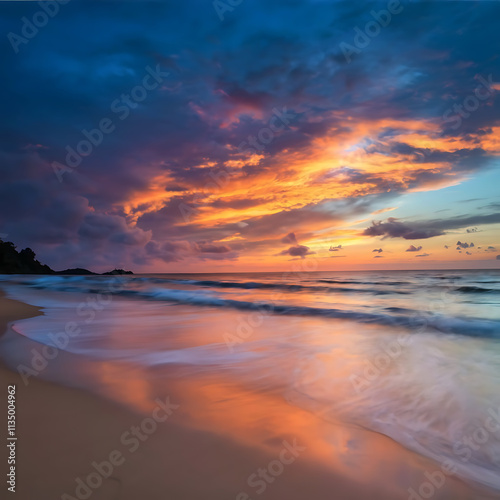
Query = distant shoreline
x=24 y=262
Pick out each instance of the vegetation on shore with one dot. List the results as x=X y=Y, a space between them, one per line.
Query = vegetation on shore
x=25 y=262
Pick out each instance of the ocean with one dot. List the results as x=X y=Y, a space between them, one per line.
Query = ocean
x=412 y=355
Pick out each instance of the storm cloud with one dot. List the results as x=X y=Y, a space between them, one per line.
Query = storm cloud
x=258 y=128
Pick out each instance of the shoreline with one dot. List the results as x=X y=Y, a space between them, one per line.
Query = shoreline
x=63 y=430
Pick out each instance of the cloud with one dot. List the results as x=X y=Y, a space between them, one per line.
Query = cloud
x=290 y=238
x=382 y=210
x=323 y=214
x=204 y=247
x=423 y=255
x=335 y=249
x=239 y=203
x=473 y=230
x=378 y=256
x=413 y=248
x=180 y=145
x=176 y=251
x=393 y=228
x=464 y=245
x=297 y=251
x=379 y=250
x=168 y=251
x=498 y=257
x=463 y=221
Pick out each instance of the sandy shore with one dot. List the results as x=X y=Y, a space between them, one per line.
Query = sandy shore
x=65 y=433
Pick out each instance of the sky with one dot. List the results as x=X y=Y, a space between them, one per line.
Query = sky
x=253 y=135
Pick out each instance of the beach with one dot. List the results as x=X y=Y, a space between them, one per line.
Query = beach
x=112 y=416
x=250 y=250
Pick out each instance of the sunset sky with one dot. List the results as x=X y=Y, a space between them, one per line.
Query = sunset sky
x=252 y=138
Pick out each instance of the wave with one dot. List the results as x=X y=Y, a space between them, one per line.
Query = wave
x=455 y=420
x=476 y=289
x=60 y=281
x=249 y=285
x=412 y=320
x=415 y=321
x=376 y=283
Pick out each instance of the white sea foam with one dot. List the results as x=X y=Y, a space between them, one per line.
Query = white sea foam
x=439 y=396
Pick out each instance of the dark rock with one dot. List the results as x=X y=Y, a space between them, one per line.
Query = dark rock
x=118 y=271
x=77 y=271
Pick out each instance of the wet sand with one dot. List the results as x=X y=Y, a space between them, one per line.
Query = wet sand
x=208 y=448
